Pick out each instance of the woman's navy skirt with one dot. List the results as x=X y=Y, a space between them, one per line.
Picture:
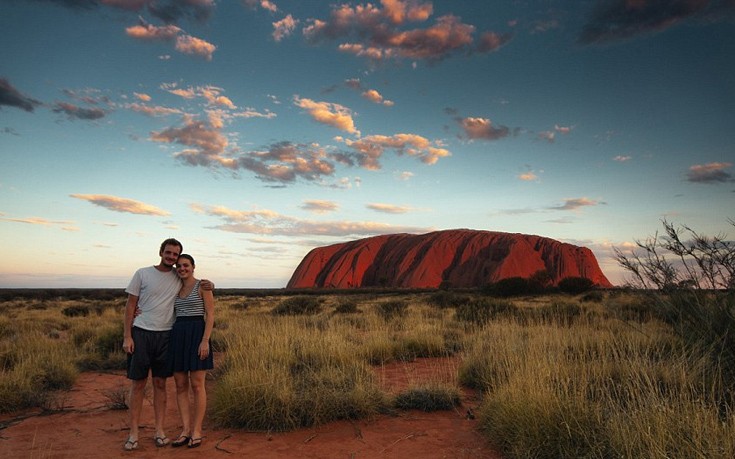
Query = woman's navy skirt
x=183 y=347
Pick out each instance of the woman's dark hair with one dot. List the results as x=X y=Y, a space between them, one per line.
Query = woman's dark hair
x=188 y=257
x=170 y=241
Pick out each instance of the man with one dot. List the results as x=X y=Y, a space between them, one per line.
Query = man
x=149 y=317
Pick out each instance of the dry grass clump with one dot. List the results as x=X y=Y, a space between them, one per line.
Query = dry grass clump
x=33 y=365
x=42 y=350
x=596 y=388
x=283 y=374
x=434 y=396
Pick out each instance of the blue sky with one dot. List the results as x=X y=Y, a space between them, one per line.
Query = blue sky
x=255 y=130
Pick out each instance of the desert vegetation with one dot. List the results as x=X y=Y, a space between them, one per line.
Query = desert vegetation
x=572 y=372
x=608 y=374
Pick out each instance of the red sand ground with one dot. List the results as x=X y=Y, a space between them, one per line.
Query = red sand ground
x=86 y=427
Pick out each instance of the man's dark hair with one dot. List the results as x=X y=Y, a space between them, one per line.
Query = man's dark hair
x=170 y=241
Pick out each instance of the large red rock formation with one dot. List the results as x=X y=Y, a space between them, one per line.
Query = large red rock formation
x=459 y=258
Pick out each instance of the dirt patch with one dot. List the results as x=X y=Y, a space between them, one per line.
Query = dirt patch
x=86 y=426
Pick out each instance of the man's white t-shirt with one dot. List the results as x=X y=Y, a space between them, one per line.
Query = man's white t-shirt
x=156 y=292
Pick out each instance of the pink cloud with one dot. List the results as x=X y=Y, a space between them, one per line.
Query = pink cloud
x=482 y=128
x=196 y=46
x=118 y=204
x=334 y=115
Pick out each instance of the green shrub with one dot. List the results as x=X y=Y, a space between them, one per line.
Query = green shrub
x=392 y=308
x=575 y=285
x=430 y=397
x=298 y=305
x=79 y=310
x=510 y=286
x=446 y=299
x=594 y=296
x=347 y=306
x=479 y=311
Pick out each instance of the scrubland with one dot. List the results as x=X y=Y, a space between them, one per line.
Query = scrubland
x=598 y=374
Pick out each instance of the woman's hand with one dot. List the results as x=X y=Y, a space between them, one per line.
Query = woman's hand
x=203 y=350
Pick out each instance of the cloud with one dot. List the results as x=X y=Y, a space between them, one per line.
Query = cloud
x=196 y=46
x=284 y=27
x=482 y=128
x=490 y=41
x=265 y=4
x=710 y=173
x=319 y=206
x=149 y=32
x=153 y=110
x=388 y=208
x=548 y=136
x=435 y=42
x=75 y=112
x=285 y=162
x=622 y=159
x=13 y=98
x=374 y=96
x=41 y=222
x=118 y=204
x=183 y=42
x=528 y=176
x=404 y=175
x=273 y=223
x=334 y=115
x=142 y=97
x=576 y=203
x=563 y=129
x=369 y=149
x=375 y=32
x=613 y=20
x=194 y=133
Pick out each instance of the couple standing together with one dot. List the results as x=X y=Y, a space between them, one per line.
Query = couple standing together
x=169 y=318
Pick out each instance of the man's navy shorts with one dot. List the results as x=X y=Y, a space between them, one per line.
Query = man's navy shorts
x=150 y=353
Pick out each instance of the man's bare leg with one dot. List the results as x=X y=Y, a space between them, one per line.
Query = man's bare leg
x=159 y=405
x=137 y=392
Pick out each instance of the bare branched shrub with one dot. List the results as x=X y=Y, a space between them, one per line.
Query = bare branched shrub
x=117 y=398
x=681 y=258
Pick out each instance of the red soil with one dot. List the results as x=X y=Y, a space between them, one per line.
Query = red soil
x=86 y=427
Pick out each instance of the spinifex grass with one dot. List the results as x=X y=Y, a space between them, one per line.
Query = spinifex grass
x=283 y=373
x=560 y=377
x=596 y=389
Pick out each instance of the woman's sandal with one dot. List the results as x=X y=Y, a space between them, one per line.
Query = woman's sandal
x=181 y=441
x=195 y=442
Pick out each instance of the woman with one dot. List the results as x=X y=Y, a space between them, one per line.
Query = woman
x=190 y=355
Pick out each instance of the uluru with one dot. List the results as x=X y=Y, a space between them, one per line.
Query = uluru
x=461 y=258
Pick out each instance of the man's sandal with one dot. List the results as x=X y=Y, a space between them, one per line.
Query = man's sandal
x=130 y=445
x=161 y=441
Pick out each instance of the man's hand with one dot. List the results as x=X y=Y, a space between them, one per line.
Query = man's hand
x=207 y=284
x=128 y=345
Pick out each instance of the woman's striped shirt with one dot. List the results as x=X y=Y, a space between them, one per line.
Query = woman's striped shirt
x=192 y=305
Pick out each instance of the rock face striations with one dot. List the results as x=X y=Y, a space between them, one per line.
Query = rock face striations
x=458 y=258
